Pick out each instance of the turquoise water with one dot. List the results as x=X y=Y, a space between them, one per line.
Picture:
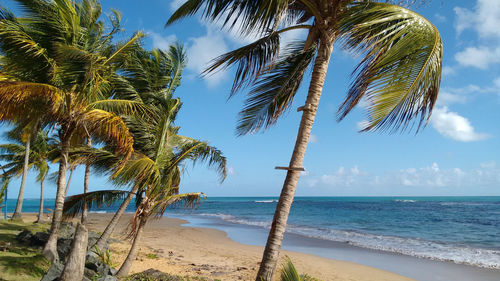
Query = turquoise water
x=463 y=230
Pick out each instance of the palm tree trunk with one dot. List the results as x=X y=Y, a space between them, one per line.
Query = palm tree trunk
x=273 y=245
x=71 y=170
x=50 y=249
x=75 y=265
x=125 y=268
x=40 y=211
x=101 y=242
x=19 y=205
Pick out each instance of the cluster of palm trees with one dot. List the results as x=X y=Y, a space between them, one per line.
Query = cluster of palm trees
x=60 y=69
x=77 y=97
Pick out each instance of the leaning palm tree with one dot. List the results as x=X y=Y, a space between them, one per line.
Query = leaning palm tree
x=398 y=77
x=150 y=73
x=38 y=156
x=59 y=63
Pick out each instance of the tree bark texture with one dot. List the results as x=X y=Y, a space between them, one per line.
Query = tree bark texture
x=132 y=254
x=50 y=249
x=40 y=218
x=75 y=264
x=71 y=170
x=19 y=206
x=275 y=238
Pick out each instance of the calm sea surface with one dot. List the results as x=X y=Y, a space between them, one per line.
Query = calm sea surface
x=463 y=230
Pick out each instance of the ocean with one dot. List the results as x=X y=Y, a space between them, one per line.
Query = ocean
x=463 y=230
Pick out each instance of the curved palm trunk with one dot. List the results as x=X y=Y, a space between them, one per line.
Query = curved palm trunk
x=71 y=170
x=101 y=242
x=273 y=245
x=50 y=249
x=75 y=265
x=125 y=268
x=19 y=206
x=40 y=218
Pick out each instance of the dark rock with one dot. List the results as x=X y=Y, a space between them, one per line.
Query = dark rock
x=107 y=278
x=39 y=239
x=24 y=237
x=153 y=274
x=67 y=230
x=63 y=248
x=239 y=268
x=103 y=269
x=91 y=261
x=54 y=272
x=113 y=271
x=89 y=273
x=93 y=237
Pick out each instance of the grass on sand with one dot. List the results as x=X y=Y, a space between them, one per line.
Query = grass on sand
x=19 y=262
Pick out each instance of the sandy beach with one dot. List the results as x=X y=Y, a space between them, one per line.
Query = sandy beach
x=176 y=249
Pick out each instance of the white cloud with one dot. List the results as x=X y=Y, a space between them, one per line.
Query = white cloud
x=202 y=50
x=313 y=138
x=160 y=41
x=446 y=98
x=344 y=177
x=480 y=57
x=454 y=126
x=439 y=17
x=231 y=171
x=175 y=4
x=484 y=19
x=447 y=71
x=432 y=176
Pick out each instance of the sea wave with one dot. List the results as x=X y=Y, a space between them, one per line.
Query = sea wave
x=405 y=200
x=265 y=201
x=459 y=254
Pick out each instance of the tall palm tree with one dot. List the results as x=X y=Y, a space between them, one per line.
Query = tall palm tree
x=38 y=156
x=154 y=170
x=399 y=75
x=60 y=58
x=156 y=73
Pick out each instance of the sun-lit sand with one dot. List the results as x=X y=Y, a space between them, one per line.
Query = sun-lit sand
x=172 y=248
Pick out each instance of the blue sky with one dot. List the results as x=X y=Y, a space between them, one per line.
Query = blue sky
x=456 y=154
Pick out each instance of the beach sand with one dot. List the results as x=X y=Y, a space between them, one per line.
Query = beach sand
x=169 y=247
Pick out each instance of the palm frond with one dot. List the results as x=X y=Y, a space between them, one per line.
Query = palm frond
x=251 y=60
x=109 y=127
x=121 y=107
x=26 y=97
x=275 y=89
x=401 y=71
x=289 y=272
x=73 y=205
x=246 y=16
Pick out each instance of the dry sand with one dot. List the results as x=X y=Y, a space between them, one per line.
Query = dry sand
x=172 y=248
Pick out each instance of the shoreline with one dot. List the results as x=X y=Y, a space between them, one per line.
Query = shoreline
x=413 y=267
x=209 y=252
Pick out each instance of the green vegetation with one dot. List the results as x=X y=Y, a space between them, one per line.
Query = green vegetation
x=105 y=257
x=290 y=273
x=19 y=262
x=152 y=256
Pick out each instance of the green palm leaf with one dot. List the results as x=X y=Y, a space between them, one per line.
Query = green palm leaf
x=73 y=205
x=401 y=71
x=275 y=89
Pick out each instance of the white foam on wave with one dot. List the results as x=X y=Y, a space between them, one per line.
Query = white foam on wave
x=265 y=201
x=99 y=212
x=459 y=254
x=405 y=200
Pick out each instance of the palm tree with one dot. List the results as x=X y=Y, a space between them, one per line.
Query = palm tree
x=38 y=156
x=399 y=75
x=158 y=73
x=60 y=58
x=154 y=170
